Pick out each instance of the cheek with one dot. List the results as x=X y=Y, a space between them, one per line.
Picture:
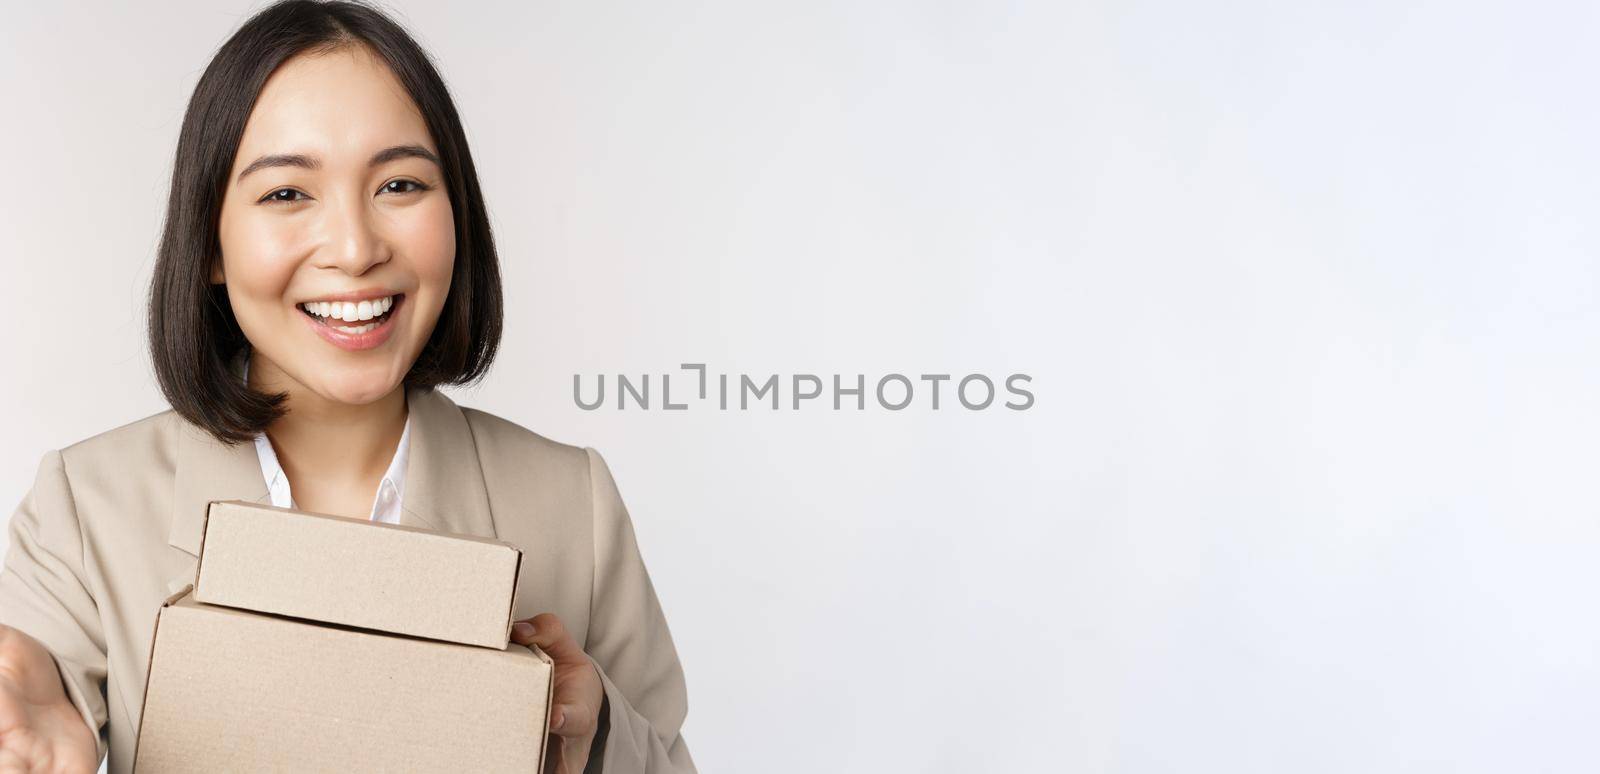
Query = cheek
x=259 y=258
x=430 y=240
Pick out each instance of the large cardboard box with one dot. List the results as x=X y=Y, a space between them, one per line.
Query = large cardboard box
x=233 y=689
x=393 y=578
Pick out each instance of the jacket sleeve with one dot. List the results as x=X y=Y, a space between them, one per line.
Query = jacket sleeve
x=629 y=642
x=43 y=591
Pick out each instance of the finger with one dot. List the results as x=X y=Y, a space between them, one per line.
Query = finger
x=547 y=631
x=572 y=720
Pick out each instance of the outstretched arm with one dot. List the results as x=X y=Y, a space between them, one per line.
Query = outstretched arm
x=52 y=650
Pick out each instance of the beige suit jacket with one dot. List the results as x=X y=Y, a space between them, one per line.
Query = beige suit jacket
x=112 y=527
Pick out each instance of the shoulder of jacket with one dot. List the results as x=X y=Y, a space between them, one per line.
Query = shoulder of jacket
x=499 y=438
x=536 y=474
x=152 y=433
x=126 y=464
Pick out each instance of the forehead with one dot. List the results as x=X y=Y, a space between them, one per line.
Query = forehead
x=339 y=105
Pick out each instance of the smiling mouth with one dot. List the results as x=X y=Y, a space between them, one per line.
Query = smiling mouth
x=352 y=317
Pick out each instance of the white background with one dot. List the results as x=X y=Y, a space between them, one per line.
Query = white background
x=1308 y=295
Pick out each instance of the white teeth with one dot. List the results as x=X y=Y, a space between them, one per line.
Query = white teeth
x=355 y=329
x=350 y=311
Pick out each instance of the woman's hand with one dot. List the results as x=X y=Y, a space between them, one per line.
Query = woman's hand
x=40 y=729
x=575 y=711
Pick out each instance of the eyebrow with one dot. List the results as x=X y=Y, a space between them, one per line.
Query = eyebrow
x=384 y=156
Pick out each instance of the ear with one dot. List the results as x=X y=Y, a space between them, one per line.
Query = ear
x=217 y=277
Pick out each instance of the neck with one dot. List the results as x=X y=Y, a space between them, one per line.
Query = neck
x=327 y=439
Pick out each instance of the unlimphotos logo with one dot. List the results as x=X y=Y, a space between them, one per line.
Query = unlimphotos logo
x=894 y=392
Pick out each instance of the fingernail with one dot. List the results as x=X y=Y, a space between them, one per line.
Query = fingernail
x=561 y=718
x=522 y=629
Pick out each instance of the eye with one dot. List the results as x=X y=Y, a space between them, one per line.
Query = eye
x=283 y=195
x=402 y=186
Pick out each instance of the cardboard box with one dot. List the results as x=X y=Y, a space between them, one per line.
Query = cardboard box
x=231 y=690
x=388 y=577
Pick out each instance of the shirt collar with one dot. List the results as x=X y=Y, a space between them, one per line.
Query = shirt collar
x=386 y=505
x=385 y=502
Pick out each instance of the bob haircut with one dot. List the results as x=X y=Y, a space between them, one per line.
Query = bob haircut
x=193 y=334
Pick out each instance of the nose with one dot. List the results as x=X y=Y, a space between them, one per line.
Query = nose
x=354 y=243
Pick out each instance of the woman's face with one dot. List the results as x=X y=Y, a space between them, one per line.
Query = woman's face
x=337 y=234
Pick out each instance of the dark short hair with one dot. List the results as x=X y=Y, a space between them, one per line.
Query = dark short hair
x=193 y=334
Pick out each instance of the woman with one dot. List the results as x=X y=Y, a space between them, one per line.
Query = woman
x=326 y=263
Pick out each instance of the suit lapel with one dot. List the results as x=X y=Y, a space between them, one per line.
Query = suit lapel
x=210 y=470
x=445 y=490
x=207 y=470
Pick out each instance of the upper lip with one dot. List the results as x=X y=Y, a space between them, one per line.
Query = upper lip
x=353 y=296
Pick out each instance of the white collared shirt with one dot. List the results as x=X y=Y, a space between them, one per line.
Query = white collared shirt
x=385 y=504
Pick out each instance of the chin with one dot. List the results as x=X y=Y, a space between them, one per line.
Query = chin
x=356 y=389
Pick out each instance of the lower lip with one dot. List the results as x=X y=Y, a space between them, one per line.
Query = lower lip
x=357 y=342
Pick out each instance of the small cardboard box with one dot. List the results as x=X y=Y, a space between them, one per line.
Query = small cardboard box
x=392 y=578
x=231 y=690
